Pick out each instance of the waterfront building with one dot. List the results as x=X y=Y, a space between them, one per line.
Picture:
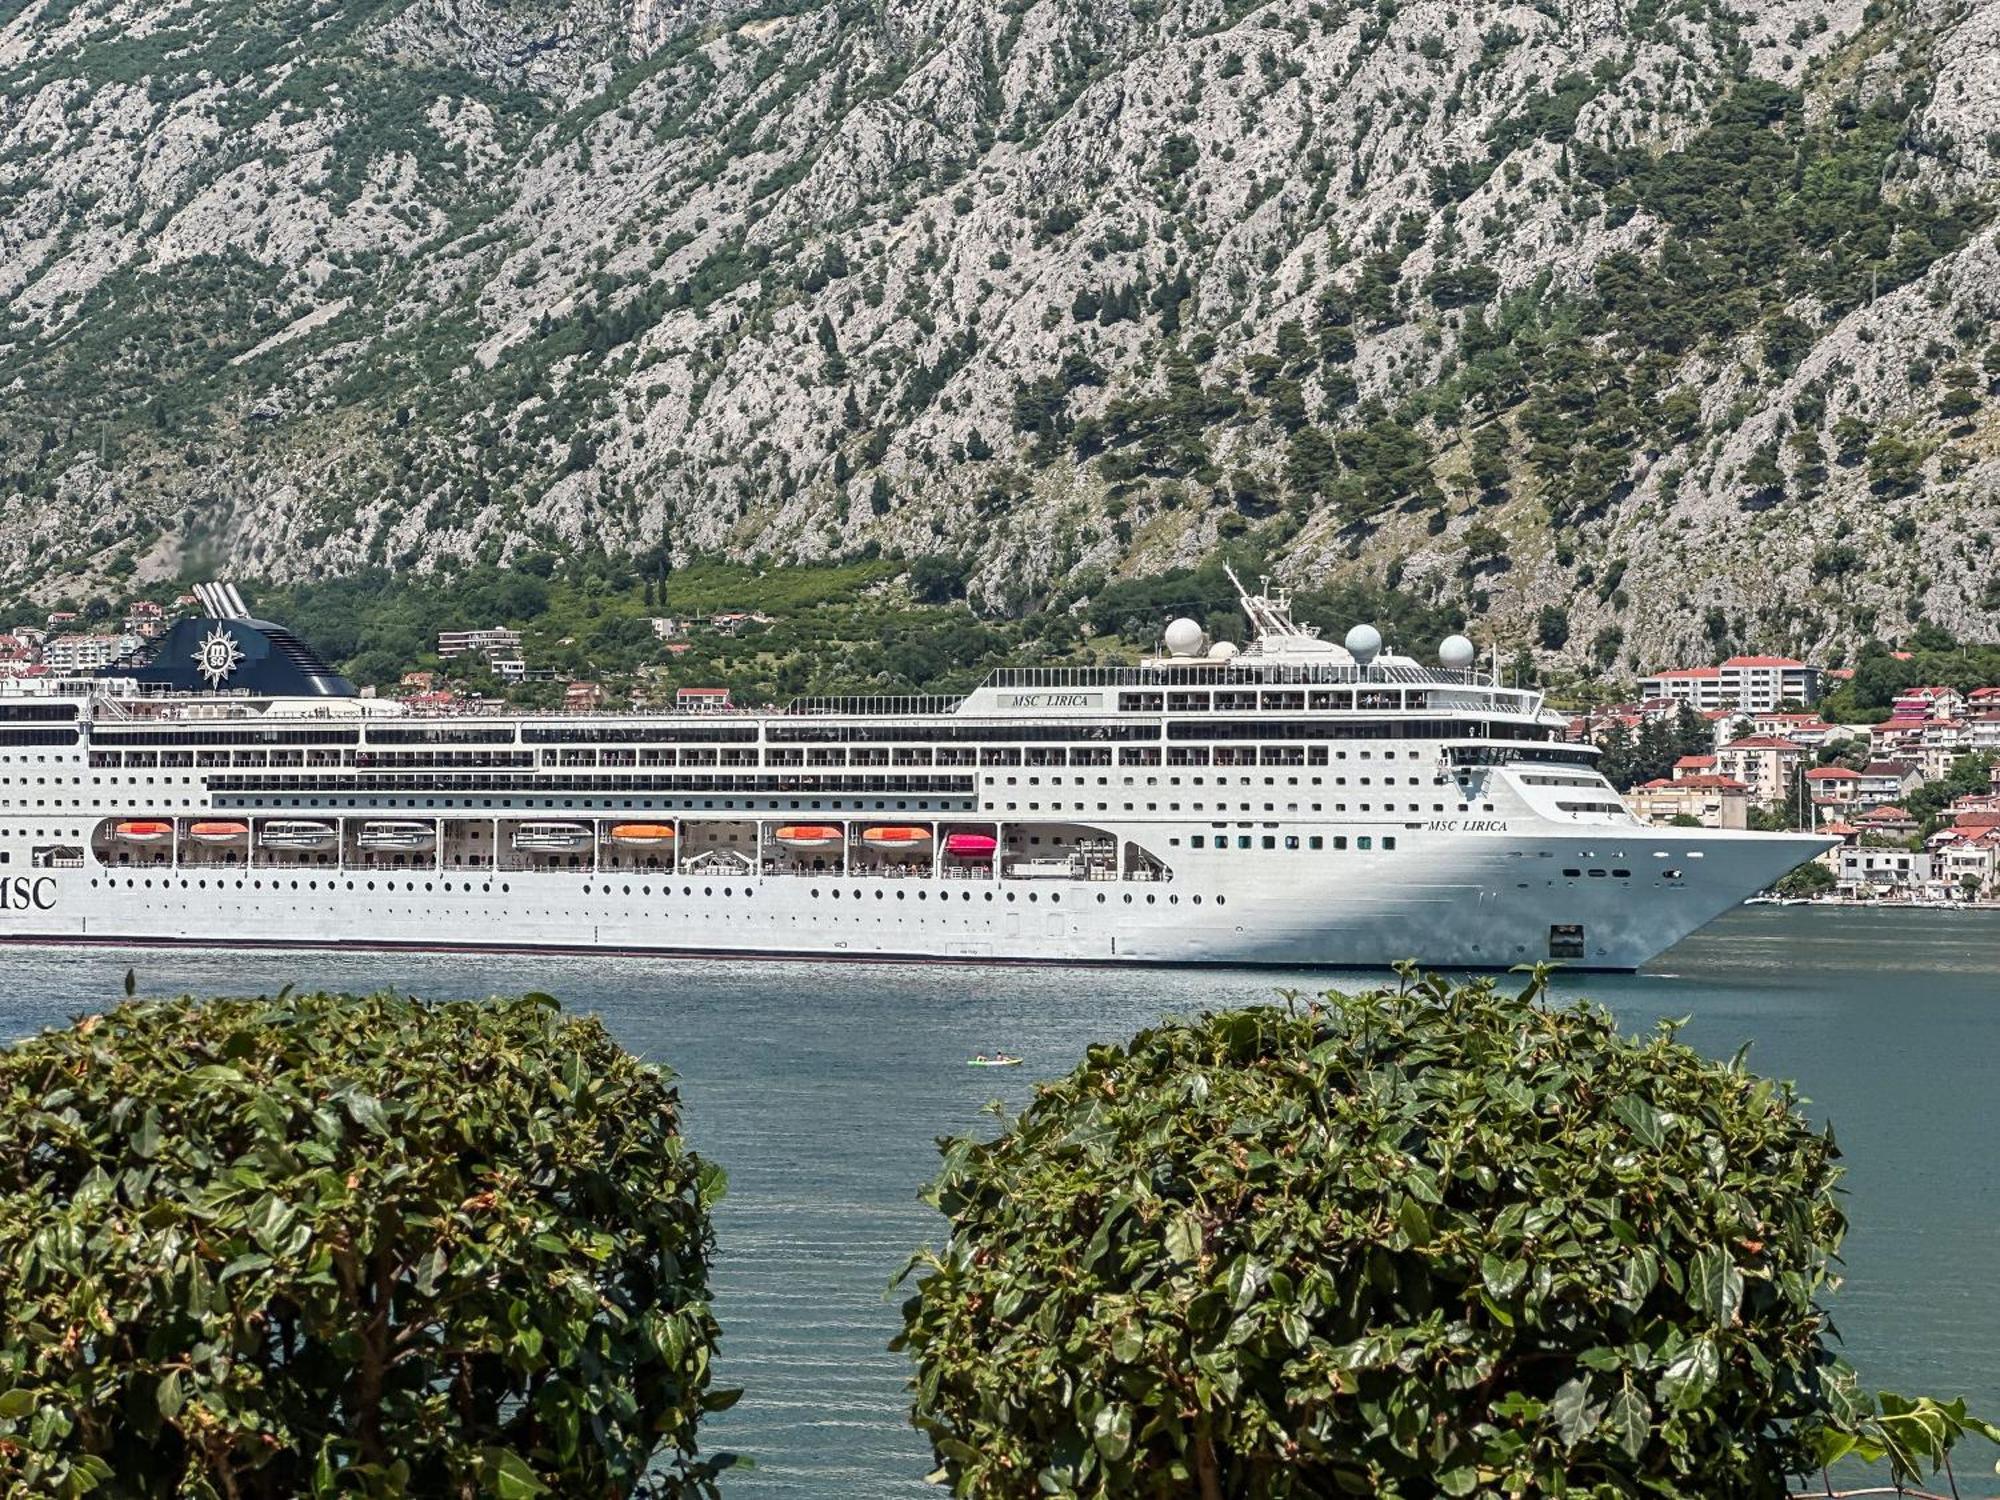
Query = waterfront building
x=1867 y=871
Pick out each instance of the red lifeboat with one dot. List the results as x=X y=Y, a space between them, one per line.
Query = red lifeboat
x=971 y=845
x=807 y=835
x=218 y=833
x=896 y=837
x=144 y=831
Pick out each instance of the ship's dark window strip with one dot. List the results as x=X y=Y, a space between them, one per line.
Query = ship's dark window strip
x=443 y=734
x=1331 y=729
x=978 y=734
x=1350 y=729
x=243 y=738
x=640 y=734
x=37 y=736
x=44 y=712
x=369 y=784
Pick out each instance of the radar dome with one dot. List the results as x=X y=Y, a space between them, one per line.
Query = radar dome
x=1363 y=643
x=1456 y=653
x=1184 y=638
x=1222 y=651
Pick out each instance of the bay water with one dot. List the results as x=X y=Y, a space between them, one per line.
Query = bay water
x=822 y=1087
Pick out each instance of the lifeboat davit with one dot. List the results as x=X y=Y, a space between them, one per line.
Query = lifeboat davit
x=971 y=845
x=218 y=833
x=144 y=831
x=807 y=835
x=896 y=838
x=642 y=833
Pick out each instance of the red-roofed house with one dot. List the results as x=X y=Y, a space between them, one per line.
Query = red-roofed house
x=1693 y=765
x=1886 y=781
x=1928 y=703
x=1892 y=822
x=1755 y=684
x=1968 y=864
x=1712 y=801
x=1763 y=762
x=1832 y=786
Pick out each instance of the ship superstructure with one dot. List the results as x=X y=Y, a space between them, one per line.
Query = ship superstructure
x=1296 y=802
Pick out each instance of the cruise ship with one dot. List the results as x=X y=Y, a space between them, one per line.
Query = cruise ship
x=1291 y=802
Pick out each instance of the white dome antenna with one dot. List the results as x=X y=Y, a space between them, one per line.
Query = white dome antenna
x=1364 y=644
x=1222 y=651
x=1184 y=638
x=1456 y=653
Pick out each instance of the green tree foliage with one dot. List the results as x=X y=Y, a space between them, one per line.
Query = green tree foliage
x=1425 y=1241
x=355 y=1245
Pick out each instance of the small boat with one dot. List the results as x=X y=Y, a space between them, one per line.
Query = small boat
x=642 y=833
x=552 y=838
x=395 y=834
x=295 y=833
x=807 y=835
x=217 y=833
x=971 y=845
x=998 y=1060
x=144 y=831
x=895 y=837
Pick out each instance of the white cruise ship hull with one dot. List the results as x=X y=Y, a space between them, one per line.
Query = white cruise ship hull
x=1295 y=805
x=1456 y=900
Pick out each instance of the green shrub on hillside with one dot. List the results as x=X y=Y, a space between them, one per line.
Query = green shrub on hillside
x=327 y=1244
x=1427 y=1241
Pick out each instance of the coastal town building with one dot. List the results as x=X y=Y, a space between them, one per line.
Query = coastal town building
x=1885 y=781
x=1754 y=683
x=1833 y=786
x=1711 y=801
x=1767 y=764
x=75 y=655
x=1868 y=872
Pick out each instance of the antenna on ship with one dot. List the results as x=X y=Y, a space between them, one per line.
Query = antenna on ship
x=1268 y=615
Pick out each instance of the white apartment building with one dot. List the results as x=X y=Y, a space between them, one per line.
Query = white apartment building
x=77 y=655
x=1756 y=684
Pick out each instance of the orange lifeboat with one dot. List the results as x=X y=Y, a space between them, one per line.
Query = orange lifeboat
x=218 y=833
x=807 y=835
x=642 y=833
x=895 y=837
x=144 y=831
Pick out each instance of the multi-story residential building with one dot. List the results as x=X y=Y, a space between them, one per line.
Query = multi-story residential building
x=79 y=655
x=1968 y=864
x=1928 y=703
x=1712 y=801
x=1867 y=870
x=1757 y=684
x=1886 y=781
x=1832 y=786
x=495 y=642
x=1765 y=763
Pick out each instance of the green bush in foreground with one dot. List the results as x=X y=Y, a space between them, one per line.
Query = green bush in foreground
x=328 y=1244
x=1429 y=1241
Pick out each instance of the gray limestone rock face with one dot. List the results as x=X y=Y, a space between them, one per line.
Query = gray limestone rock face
x=1073 y=287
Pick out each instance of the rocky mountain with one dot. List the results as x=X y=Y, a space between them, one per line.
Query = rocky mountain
x=1639 y=327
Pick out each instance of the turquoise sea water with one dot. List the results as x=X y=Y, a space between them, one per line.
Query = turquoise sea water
x=821 y=1088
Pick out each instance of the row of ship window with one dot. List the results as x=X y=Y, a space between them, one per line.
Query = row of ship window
x=1312 y=841
x=485 y=887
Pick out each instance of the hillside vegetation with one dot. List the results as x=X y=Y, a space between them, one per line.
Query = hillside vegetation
x=1675 y=317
